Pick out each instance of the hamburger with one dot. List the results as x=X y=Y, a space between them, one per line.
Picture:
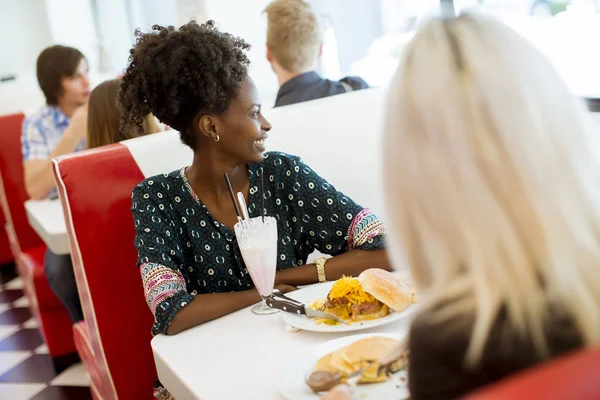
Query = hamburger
x=370 y=296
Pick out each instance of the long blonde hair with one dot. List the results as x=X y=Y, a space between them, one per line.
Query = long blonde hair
x=492 y=185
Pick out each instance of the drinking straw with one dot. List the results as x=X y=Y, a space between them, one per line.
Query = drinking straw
x=262 y=197
x=243 y=206
x=237 y=209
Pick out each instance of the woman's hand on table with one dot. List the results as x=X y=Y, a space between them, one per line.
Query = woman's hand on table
x=340 y=392
x=349 y=264
x=206 y=307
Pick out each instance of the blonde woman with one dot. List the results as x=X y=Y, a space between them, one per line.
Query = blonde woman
x=494 y=200
x=494 y=196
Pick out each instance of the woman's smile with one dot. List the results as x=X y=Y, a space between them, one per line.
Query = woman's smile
x=260 y=143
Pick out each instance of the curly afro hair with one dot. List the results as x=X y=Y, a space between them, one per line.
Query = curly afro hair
x=178 y=74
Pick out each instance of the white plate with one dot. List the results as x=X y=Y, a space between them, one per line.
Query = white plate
x=291 y=379
x=311 y=293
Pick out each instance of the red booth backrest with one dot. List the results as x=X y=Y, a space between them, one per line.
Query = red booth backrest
x=95 y=187
x=11 y=168
x=5 y=251
x=575 y=376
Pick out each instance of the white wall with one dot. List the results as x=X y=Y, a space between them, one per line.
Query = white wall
x=161 y=12
x=72 y=24
x=245 y=19
x=355 y=25
x=187 y=9
x=115 y=36
x=596 y=117
x=24 y=33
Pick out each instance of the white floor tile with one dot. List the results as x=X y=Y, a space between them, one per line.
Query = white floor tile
x=9 y=359
x=75 y=375
x=16 y=283
x=43 y=349
x=30 y=323
x=20 y=391
x=21 y=302
x=7 y=330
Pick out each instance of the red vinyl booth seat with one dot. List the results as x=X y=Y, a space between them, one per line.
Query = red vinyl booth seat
x=86 y=353
x=572 y=377
x=6 y=255
x=27 y=248
x=95 y=188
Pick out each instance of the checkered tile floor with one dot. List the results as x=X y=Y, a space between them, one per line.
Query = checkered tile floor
x=26 y=370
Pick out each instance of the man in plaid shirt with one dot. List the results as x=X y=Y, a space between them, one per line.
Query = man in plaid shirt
x=60 y=127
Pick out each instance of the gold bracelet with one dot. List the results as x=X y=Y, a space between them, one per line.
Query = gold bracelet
x=320 y=263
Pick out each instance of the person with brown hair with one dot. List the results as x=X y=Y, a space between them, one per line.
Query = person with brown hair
x=60 y=126
x=57 y=128
x=294 y=44
x=104 y=115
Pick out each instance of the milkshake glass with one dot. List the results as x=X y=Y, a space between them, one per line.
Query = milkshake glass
x=257 y=241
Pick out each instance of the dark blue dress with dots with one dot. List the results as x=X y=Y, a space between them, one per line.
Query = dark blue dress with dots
x=184 y=251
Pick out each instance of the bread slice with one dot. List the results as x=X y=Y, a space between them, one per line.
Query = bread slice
x=339 y=362
x=368 y=349
x=324 y=364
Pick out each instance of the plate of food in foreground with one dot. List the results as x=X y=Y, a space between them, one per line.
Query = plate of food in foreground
x=375 y=298
x=309 y=376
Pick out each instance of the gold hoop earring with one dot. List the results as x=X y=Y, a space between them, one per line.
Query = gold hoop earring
x=217 y=138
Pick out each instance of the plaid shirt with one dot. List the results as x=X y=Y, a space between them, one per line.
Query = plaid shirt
x=42 y=131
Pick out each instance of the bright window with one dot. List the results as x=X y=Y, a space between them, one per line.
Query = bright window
x=367 y=39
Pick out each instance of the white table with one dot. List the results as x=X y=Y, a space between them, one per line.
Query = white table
x=47 y=219
x=238 y=356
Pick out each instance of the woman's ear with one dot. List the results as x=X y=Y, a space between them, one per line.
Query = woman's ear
x=207 y=127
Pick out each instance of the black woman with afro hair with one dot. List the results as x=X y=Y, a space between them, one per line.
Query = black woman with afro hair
x=195 y=79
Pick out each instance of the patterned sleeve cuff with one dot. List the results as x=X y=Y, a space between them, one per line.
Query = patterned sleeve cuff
x=165 y=292
x=165 y=312
x=366 y=231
